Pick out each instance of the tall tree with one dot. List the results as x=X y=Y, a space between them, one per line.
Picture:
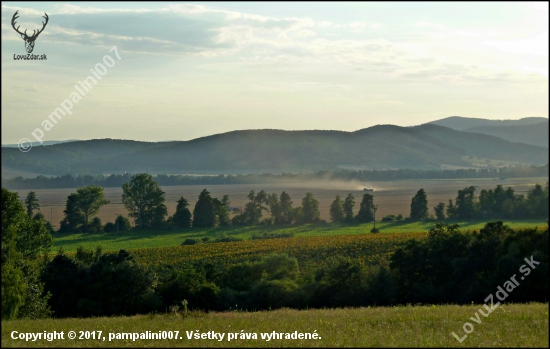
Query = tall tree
x=273 y=203
x=23 y=240
x=310 y=209
x=74 y=218
x=348 y=205
x=451 y=209
x=253 y=209
x=336 y=210
x=514 y=206
x=204 y=213
x=89 y=200
x=466 y=203
x=440 y=211
x=31 y=203
x=285 y=208
x=499 y=197
x=487 y=207
x=222 y=211
x=182 y=216
x=419 y=206
x=144 y=199
x=158 y=216
x=366 y=209
x=537 y=201
x=32 y=238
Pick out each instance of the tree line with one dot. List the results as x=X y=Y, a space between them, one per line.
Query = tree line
x=145 y=202
x=445 y=268
x=496 y=203
x=403 y=174
x=448 y=266
x=116 y=180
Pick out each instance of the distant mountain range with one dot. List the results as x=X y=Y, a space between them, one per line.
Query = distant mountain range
x=461 y=123
x=427 y=146
x=535 y=134
x=37 y=144
x=533 y=130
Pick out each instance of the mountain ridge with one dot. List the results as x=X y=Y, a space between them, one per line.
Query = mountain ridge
x=535 y=134
x=426 y=146
x=461 y=123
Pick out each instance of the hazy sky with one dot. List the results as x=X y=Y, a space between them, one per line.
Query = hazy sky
x=194 y=69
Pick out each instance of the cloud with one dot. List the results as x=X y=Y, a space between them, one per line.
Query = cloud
x=323 y=24
x=422 y=24
x=376 y=96
x=357 y=25
x=197 y=30
x=537 y=45
x=466 y=33
x=187 y=29
x=539 y=5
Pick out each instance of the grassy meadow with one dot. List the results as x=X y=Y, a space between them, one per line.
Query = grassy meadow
x=140 y=239
x=514 y=325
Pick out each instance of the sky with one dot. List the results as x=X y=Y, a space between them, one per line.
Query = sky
x=186 y=70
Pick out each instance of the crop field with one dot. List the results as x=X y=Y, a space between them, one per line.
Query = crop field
x=509 y=325
x=393 y=197
x=370 y=249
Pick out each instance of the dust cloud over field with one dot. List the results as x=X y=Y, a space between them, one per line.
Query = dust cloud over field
x=393 y=197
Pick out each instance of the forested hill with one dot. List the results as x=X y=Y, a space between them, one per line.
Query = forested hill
x=533 y=130
x=379 y=147
x=535 y=134
x=464 y=124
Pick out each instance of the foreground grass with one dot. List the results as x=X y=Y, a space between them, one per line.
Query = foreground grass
x=165 y=238
x=516 y=325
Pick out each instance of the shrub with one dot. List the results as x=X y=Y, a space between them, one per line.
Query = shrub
x=271 y=236
x=95 y=226
x=189 y=242
x=123 y=223
x=190 y=286
x=340 y=283
x=40 y=217
x=238 y=220
x=227 y=239
x=267 y=221
x=113 y=284
x=274 y=294
x=109 y=227
x=389 y=218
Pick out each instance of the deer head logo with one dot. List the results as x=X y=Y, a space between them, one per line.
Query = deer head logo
x=29 y=40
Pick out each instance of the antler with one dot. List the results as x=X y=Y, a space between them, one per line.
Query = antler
x=34 y=33
x=13 y=23
x=43 y=26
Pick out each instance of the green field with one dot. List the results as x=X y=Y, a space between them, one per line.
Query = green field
x=514 y=325
x=139 y=239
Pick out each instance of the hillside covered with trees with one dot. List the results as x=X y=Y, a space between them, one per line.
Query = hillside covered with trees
x=255 y=151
